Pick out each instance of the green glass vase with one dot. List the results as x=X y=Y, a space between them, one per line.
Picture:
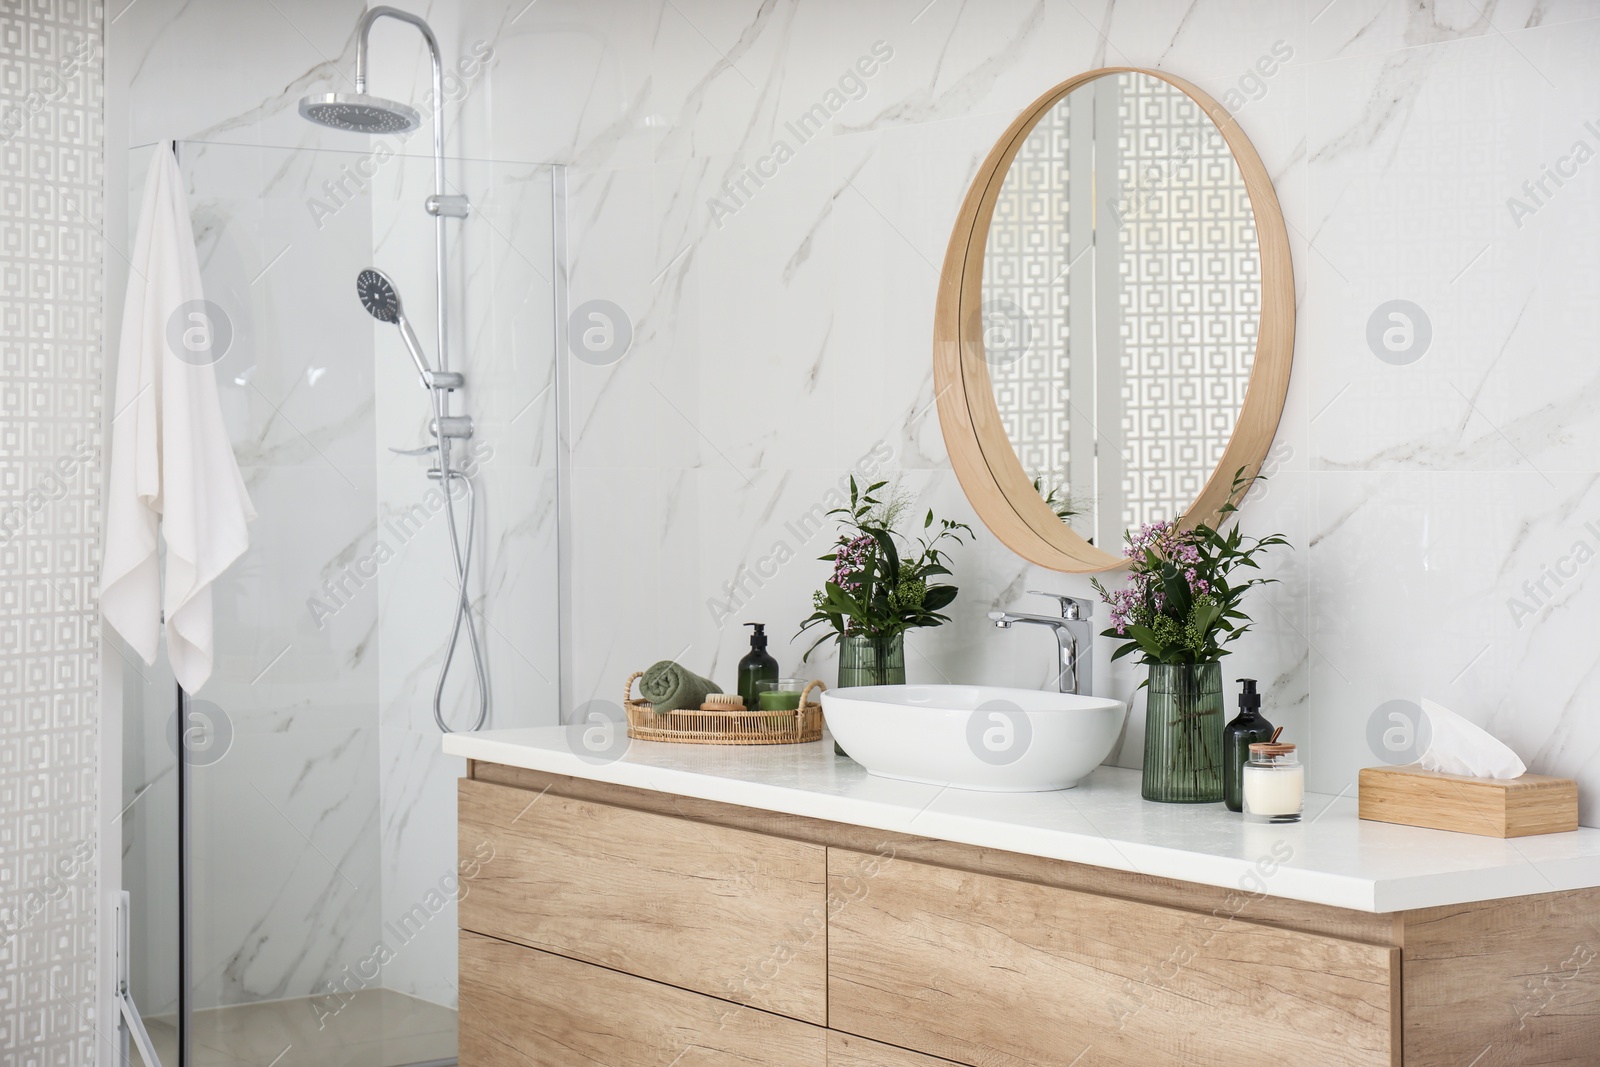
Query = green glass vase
x=1183 y=734
x=866 y=659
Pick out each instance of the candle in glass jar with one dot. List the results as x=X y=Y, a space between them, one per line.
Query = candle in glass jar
x=1274 y=783
x=779 y=694
x=779 y=700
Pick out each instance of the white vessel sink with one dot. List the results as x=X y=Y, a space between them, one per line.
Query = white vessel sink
x=974 y=736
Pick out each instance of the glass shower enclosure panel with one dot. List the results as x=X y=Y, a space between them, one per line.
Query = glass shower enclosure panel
x=319 y=845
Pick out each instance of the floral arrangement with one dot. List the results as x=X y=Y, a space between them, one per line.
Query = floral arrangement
x=883 y=584
x=1182 y=602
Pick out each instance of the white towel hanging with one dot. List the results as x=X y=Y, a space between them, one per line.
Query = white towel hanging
x=171 y=461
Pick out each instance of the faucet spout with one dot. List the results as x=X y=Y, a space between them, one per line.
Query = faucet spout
x=1074 y=639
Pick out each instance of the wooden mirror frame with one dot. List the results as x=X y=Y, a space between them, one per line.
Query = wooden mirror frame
x=980 y=449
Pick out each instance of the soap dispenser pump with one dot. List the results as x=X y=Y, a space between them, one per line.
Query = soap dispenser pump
x=1247 y=728
x=757 y=666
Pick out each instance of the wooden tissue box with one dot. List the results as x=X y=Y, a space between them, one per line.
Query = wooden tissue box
x=1491 y=807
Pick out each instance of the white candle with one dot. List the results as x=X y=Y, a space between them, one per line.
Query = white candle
x=1274 y=783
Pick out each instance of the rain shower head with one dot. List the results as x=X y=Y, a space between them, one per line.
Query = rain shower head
x=360 y=113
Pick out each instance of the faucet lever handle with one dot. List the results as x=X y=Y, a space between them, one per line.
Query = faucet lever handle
x=1072 y=607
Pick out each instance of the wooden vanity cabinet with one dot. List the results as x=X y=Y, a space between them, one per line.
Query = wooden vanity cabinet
x=521 y=1006
x=968 y=966
x=725 y=912
x=618 y=926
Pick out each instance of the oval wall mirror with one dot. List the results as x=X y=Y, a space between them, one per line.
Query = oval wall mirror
x=1116 y=318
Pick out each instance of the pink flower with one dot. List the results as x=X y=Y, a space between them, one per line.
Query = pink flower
x=850 y=561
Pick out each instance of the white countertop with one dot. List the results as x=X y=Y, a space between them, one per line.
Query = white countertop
x=1332 y=856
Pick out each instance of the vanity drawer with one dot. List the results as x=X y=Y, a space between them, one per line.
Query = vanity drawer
x=734 y=914
x=845 y=1050
x=524 y=1008
x=980 y=969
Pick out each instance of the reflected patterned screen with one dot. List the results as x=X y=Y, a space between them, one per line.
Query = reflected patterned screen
x=1024 y=272
x=1189 y=296
x=1121 y=302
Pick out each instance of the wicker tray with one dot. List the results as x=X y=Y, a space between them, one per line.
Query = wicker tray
x=690 y=726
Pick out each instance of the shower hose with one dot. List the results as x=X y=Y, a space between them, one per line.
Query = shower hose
x=462 y=555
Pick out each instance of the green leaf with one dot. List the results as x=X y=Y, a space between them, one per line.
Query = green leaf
x=891 y=555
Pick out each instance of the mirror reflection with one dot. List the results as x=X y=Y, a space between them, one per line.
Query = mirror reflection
x=1121 y=303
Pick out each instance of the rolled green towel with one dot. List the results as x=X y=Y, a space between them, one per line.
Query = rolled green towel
x=671 y=687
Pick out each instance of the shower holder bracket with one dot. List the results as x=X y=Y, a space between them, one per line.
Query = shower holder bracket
x=445 y=379
x=453 y=207
x=456 y=426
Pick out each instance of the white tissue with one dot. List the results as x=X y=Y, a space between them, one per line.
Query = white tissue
x=1456 y=746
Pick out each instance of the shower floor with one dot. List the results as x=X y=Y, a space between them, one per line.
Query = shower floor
x=377 y=1028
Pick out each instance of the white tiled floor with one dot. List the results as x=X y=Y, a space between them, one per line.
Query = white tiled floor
x=376 y=1028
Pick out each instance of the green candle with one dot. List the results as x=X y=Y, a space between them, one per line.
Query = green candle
x=780 y=700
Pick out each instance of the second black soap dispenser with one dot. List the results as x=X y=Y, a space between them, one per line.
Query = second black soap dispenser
x=1247 y=728
x=757 y=666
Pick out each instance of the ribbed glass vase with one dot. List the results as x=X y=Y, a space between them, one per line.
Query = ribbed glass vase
x=1183 y=734
x=865 y=659
x=869 y=660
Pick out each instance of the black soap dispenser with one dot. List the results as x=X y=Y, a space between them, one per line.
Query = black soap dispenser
x=1247 y=728
x=757 y=666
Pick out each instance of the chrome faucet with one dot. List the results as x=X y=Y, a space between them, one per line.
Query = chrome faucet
x=1073 y=635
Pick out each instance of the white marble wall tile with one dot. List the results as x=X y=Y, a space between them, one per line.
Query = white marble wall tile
x=288 y=890
x=270 y=635
x=570 y=82
x=933 y=61
x=419 y=820
x=620 y=255
x=232 y=72
x=717 y=71
x=745 y=363
x=1365 y=27
x=1480 y=395
x=1478 y=579
x=1221 y=39
x=296 y=380
x=900 y=189
x=518 y=620
x=296 y=697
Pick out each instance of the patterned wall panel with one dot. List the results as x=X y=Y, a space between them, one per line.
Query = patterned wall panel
x=51 y=207
x=1190 y=297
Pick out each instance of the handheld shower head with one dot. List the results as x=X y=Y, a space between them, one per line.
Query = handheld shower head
x=378 y=295
x=382 y=301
